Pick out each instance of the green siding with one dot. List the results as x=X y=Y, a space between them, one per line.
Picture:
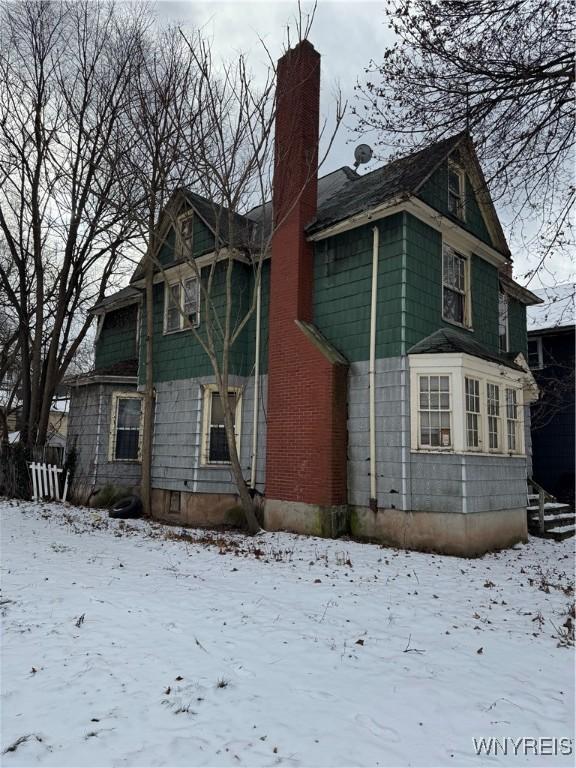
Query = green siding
x=180 y=355
x=517 y=327
x=202 y=242
x=435 y=193
x=342 y=288
x=117 y=339
x=424 y=289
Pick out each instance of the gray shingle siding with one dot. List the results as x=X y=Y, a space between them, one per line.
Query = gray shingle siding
x=178 y=425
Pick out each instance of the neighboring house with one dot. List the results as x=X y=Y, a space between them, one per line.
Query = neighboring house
x=551 y=340
x=10 y=404
x=392 y=380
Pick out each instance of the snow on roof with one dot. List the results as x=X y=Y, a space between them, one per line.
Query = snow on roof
x=557 y=310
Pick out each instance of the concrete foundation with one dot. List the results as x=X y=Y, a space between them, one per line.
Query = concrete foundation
x=204 y=510
x=309 y=519
x=449 y=533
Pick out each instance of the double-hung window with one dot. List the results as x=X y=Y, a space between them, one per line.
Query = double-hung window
x=512 y=421
x=493 y=409
x=503 y=322
x=454 y=286
x=126 y=427
x=215 y=449
x=456 y=191
x=182 y=305
x=434 y=413
x=472 y=387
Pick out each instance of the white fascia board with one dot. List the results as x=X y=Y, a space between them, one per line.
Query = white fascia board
x=185 y=269
x=452 y=234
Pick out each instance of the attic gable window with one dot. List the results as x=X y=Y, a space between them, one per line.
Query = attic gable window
x=455 y=287
x=181 y=305
x=456 y=191
x=185 y=236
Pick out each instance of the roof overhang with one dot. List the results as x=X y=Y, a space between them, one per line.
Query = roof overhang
x=424 y=212
x=517 y=291
x=84 y=381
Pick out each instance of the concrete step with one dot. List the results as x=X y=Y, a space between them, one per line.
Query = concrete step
x=561 y=532
x=551 y=521
x=550 y=508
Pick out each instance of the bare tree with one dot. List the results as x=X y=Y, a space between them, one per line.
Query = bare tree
x=502 y=69
x=234 y=146
x=66 y=71
x=161 y=129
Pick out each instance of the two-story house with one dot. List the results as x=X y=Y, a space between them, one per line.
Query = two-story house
x=380 y=391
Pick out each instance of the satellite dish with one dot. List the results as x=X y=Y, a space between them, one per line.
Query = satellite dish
x=362 y=154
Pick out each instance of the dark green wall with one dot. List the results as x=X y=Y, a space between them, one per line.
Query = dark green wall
x=435 y=193
x=180 y=355
x=117 y=339
x=342 y=287
x=202 y=242
x=517 y=327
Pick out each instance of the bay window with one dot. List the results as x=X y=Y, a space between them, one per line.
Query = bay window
x=461 y=404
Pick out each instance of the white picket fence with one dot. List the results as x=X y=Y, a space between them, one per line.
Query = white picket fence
x=46 y=482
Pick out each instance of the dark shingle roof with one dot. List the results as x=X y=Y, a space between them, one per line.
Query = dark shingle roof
x=448 y=340
x=402 y=176
x=123 y=297
x=126 y=368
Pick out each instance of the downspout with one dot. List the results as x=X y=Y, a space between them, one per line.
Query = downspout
x=405 y=429
x=372 y=370
x=254 y=457
x=97 y=447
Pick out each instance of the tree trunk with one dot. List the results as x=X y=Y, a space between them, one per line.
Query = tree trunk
x=146 y=482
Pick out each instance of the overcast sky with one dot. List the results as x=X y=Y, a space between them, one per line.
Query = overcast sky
x=348 y=34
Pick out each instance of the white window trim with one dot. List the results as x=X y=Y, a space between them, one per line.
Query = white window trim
x=482 y=431
x=434 y=448
x=458 y=366
x=184 y=325
x=116 y=397
x=458 y=171
x=467 y=324
x=180 y=252
x=208 y=391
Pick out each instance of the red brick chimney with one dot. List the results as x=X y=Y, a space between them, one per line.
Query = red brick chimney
x=307 y=431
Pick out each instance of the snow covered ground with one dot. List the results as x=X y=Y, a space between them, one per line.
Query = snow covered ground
x=129 y=644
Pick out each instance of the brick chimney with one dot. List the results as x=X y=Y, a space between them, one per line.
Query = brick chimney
x=306 y=435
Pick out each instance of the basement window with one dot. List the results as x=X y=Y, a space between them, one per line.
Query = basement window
x=215 y=448
x=126 y=427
